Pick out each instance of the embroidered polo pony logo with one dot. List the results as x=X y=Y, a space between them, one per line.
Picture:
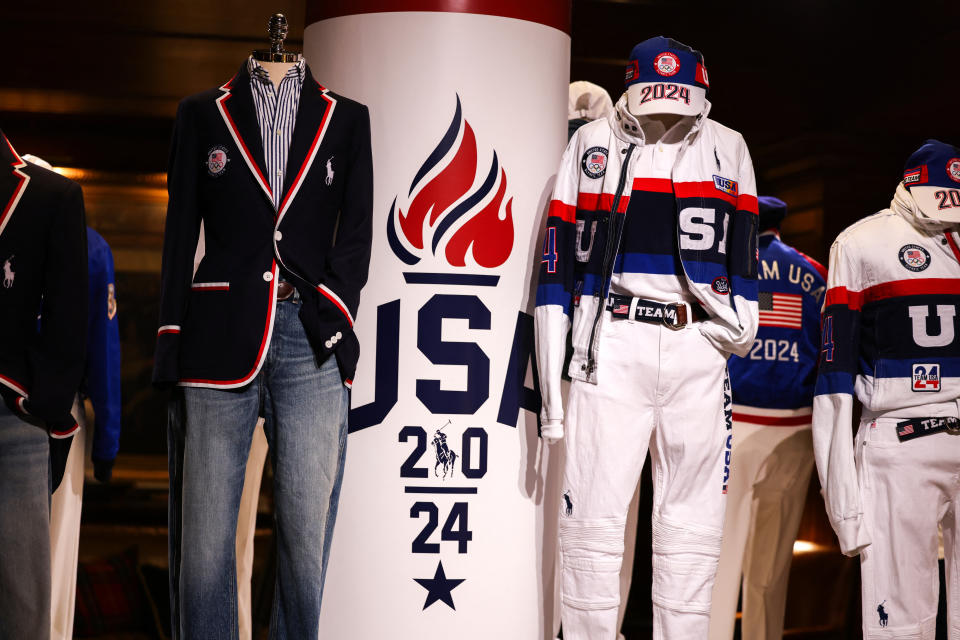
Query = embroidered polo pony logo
x=8 y=273
x=883 y=614
x=329 y=179
x=446 y=457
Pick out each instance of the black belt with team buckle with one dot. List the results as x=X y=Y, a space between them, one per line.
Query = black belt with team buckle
x=673 y=315
x=919 y=427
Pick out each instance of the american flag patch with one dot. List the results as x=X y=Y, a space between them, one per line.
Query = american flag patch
x=780 y=309
x=621 y=309
x=905 y=430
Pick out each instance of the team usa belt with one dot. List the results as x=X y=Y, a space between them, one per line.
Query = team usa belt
x=919 y=427
x=674 y=315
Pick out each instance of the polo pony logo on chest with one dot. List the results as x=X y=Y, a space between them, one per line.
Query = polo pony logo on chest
x=8 y=273
x=329 y=179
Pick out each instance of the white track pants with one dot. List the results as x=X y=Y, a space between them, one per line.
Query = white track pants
x=65 y=507
x=663 y=389
x=769 y=476
x=908 y=488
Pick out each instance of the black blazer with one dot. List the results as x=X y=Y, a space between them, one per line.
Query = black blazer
x=215 y=326
x=43 y=266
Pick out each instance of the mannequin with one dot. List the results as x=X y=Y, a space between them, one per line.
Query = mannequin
x=652 y=228
x=892 y=299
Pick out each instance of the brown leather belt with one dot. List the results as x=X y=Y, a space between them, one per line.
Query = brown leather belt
x=285 y=290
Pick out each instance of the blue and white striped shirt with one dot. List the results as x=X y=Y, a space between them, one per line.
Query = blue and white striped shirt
x=276 y=114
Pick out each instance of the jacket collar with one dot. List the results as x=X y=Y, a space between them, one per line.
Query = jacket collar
x=628 y=128
x=313 y=119
x=13 y=180
x=237 y=110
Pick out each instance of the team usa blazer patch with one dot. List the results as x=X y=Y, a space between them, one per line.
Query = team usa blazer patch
x=217 y=161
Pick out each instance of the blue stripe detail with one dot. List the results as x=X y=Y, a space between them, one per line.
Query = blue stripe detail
x=834 y=382
x=903 y=368
x=554 y=294
x=653 y=263
x=445 y=144
x=469 y=279
x=394 y=241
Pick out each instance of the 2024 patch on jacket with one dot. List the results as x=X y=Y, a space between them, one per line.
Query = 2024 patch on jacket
x=216 y=325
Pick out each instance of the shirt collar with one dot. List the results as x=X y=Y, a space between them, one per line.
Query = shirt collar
x=256 y=70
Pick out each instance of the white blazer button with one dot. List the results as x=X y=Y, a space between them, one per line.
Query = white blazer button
x=328 y=344
x=278 y=236
x=339 y=335
x=268 y=275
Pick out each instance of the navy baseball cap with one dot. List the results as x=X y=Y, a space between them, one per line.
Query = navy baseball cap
x=932 y=176
x=666 y=76
x=772 y=212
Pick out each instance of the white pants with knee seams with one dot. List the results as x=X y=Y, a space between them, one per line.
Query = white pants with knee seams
x=769 y=476
x=908 y=488
x=664 y=389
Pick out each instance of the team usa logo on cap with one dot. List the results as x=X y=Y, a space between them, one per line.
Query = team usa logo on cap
x=953 y=169
x=667 y=64
x=217 y=161
x=914 y=257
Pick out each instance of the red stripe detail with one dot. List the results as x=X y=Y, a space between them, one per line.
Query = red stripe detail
x=790 y=421
x=894 y=289
x=337 y=305
x=223 y=100
x=552 y=13
x=953 y=245
x=562 y=210
x=601 y=202
x=654 y=185
x=310 y=153
x=16 y=386
x=221 y=288
x=19 y=164
x=748 y=203
x=163 y=331
x=704 y=189
x=65 y=432
x=701 y=75
x=263 y=341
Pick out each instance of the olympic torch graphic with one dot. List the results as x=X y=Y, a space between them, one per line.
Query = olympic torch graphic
x=448 y=532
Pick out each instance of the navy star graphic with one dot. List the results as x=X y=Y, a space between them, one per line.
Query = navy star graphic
x=439 y=587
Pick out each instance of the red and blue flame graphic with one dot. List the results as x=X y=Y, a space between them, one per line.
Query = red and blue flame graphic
x=448 y=206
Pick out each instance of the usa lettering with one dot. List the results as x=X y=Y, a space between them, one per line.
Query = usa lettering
x=796 y=275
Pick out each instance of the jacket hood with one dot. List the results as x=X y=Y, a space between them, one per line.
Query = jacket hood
x=904 y=204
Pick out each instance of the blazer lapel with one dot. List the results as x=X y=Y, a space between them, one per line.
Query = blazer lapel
x=13 y=181
x=238 y=113
x=313 y=119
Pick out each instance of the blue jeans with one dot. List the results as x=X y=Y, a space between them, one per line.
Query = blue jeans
x=305 y=409
x=24 y=529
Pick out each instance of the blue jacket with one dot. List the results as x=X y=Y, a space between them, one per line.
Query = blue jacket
x=102 y=374
x=780 y=370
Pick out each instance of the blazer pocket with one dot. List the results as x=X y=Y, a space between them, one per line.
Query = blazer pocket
x=210 y=286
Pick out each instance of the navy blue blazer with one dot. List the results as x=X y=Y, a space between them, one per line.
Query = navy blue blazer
x=43 y=266
x=215 y=325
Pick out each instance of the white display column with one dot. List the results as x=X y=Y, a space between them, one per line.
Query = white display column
x=447 y=518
